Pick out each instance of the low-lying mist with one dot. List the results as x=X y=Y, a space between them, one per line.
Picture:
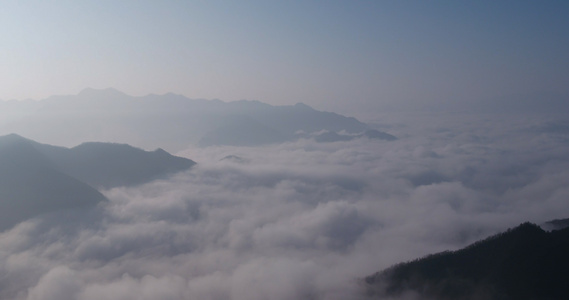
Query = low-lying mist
x=299 y=220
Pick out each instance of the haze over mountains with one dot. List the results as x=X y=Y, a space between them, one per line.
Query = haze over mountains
x=30 y=184
x=108 y=165
x=301 y=216
x=302 y=219
x=169 y=121
x=462 y=132
x=37 y=178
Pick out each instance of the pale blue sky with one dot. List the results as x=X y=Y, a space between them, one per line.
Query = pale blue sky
x=346 y=56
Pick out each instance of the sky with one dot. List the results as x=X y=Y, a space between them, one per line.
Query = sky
x=344 y=56
x=299 y=219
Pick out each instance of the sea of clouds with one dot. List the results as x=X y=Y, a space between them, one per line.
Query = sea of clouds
x=300 y=220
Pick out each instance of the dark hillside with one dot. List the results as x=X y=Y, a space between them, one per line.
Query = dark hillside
x=522 y=263
x=30 y=184
x=37 y=178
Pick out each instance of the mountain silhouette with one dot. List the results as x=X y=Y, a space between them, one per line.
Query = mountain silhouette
x=107 y=165
x=37 y=178
x=242 y=131
x=30 y=184
x=170 y=121
x=522 y=263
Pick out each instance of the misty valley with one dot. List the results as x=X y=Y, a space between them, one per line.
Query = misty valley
x=109 y=196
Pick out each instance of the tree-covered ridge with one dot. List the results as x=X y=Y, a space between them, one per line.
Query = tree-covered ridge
x=525 y=262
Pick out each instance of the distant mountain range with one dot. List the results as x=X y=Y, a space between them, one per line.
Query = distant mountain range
x=37 y=178
x=169 y=121
x=522 y=263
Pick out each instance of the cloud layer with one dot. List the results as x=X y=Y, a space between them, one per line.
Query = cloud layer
x=295 y=221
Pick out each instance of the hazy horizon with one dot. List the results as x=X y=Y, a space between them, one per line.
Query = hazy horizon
x=428 y=126
x=349 y=57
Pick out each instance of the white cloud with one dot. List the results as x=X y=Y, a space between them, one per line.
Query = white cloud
x=300 y=220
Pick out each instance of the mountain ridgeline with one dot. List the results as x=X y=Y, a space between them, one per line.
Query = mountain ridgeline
x=170 y=121
x=108 y=165
x=37 y=178
x=522 y=263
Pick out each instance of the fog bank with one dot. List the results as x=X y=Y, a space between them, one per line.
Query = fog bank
x=299 y=220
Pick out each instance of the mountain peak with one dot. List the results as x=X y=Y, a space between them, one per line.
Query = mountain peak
x=303 y=106
x=11 y=139
x=12 y=136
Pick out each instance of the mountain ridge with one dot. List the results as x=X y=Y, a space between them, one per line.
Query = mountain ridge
x=30 y=184
x=525 y=262
x=171 y=121
x=108 y=165
x=37 y=178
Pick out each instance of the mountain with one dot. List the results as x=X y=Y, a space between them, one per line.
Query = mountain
x=37 y=178
x=170 y=121
x=242 y=131
x=522 y=263
x=30 y=184
x=107 y=165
